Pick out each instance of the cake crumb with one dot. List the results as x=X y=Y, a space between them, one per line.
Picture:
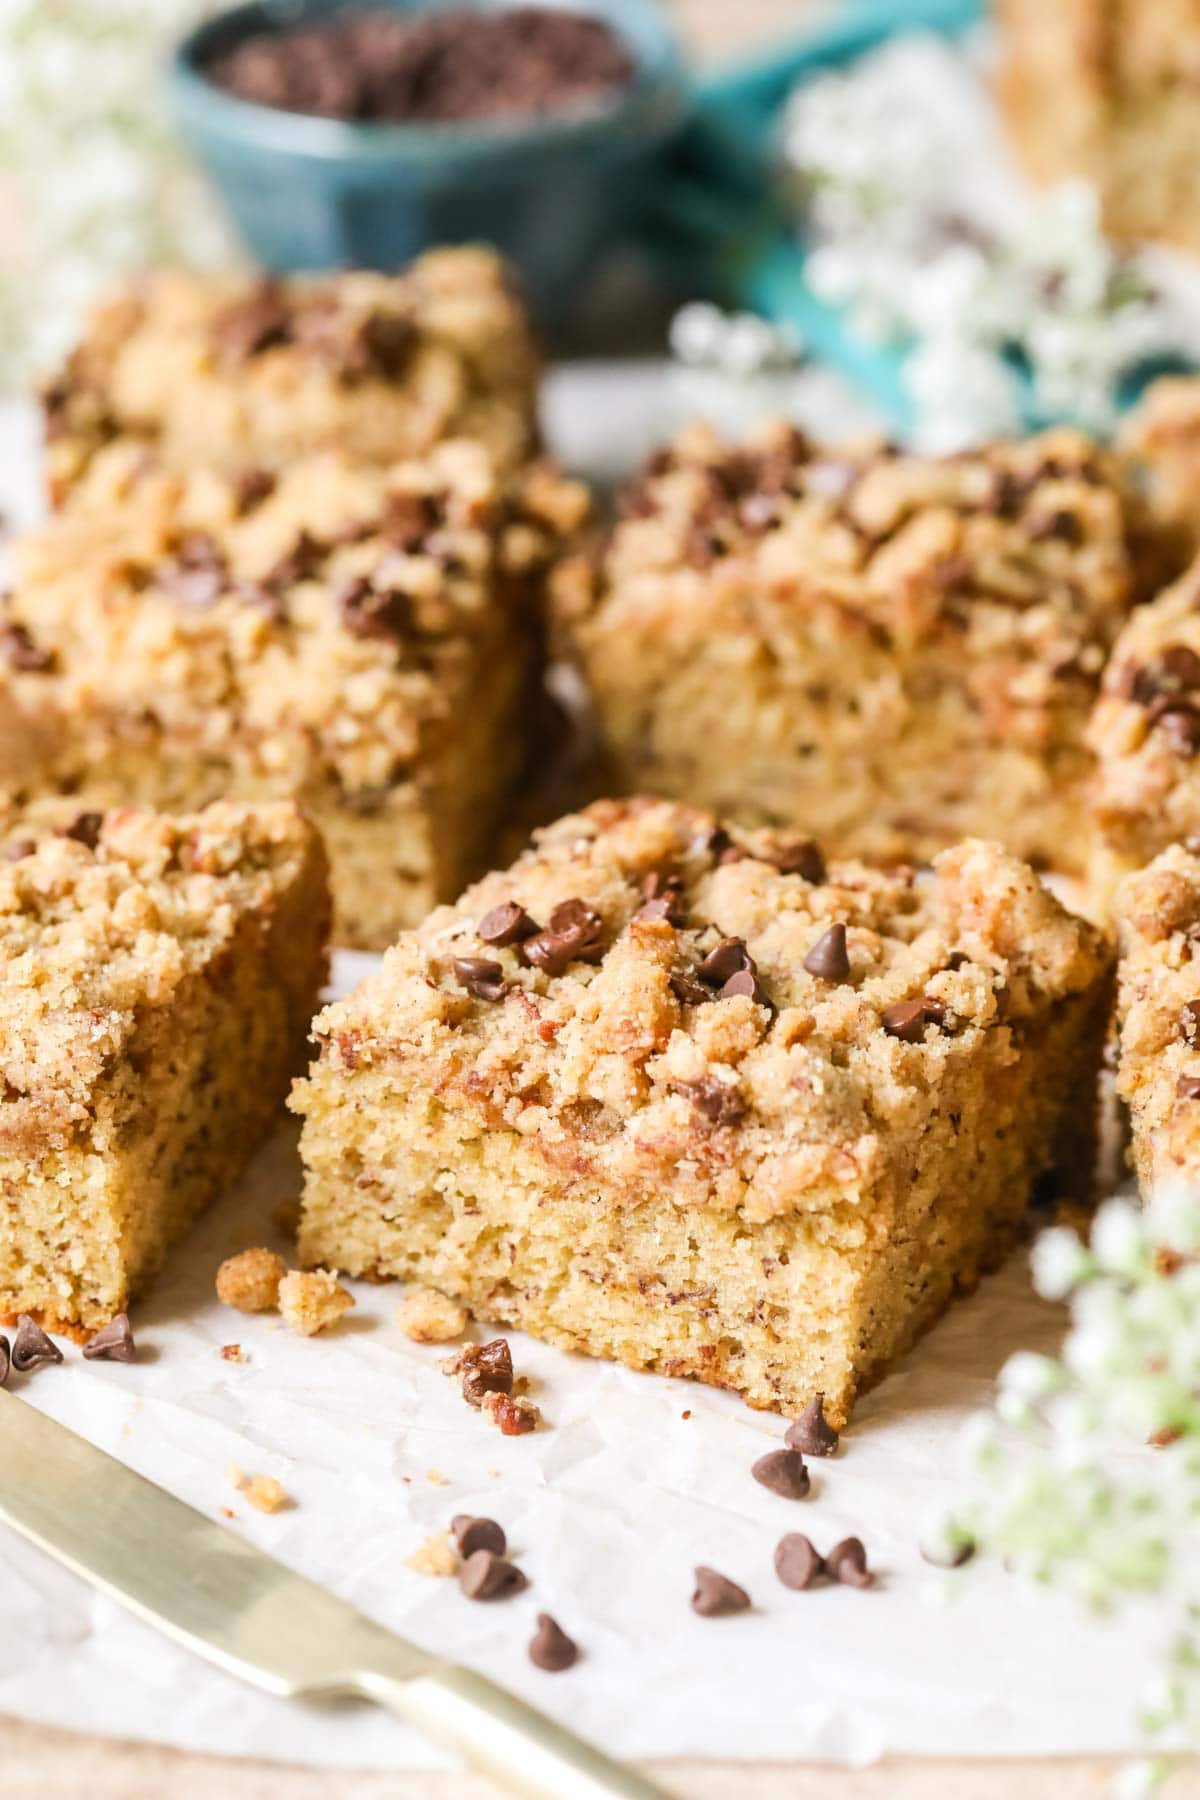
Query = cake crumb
x=262 y=1491
x=436 y=1556
x=233 y=1353
x=428 y=1317
x=513 y=1416
x=435 y=1478
x=250 y=1280
x=310 y=1300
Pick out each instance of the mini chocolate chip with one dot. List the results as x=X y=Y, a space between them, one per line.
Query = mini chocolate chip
x=714 y=842
x=113 y=1342
x=85 y=829
x=1189 y=1020
x=471 y=1534
x=906 y=1020
x=20 y=848
x=811 y=1432
x=506 y=924
x=797 y=1563
x=5 y=1360
x=801 y=858
x=300 y=563
x=1180 y=725
x=847 y=1563
x=31 y=1347
x=481 y=977
x=663 y=907
x=551 y=1649
x=729 y=957
x=251 y=488
x=260 y=321
x=1059 y=524
x=688 y=991
x=486 y=1369
x=783 y=1471
x=21 y=653
x=1180 y=666
x=197 y=573
x=1188 y=1087
x=718 y=1101
x=746 y=983
x=486 y=1576
x=408 y=520
x=572 y=935
x=715 y=1596
x=828 y=959
x=368 y=612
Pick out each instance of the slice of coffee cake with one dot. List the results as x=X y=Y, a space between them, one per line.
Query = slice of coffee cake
x=157 y=981
x=701 y=1104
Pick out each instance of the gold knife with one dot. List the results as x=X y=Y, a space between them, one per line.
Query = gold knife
x=213 y=1592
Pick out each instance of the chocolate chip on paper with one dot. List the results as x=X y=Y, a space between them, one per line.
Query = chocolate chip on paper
x=716 y=1597
x=797 y=1562
x=113 y=1342
x=783 y=1471
x=847 y=1563
x=811 y=1433
x=471 y=1534
x=31 y=1347
x=486 y=1576
x=550 y=1648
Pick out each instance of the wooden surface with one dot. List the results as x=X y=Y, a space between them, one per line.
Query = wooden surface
x=36 y=1763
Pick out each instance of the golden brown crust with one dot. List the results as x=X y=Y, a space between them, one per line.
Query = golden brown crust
x=889 y=651
x=243 y=374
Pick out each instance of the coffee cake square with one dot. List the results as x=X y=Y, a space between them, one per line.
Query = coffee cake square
x=245 y=373
x=693 y=1100
x=157 y=982
x=887 y=651
x=362 y=640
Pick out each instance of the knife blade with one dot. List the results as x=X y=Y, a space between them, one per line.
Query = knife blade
x=252 y=1616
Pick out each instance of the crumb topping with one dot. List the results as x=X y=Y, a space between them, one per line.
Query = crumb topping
x=323 y=631
x=102 y=916
x=663 y=1023
x=1158 y=1071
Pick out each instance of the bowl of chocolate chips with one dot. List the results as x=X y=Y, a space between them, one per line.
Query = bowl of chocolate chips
x=357 y=132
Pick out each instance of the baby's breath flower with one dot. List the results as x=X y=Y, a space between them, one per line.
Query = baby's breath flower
x=1060 y=1262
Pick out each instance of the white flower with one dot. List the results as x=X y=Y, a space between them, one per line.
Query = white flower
x=1060 y=1262
x=696 y=332
x=1119 y=1238
x=1173 y=1215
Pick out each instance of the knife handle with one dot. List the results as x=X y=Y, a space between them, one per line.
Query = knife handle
x=527 y=1753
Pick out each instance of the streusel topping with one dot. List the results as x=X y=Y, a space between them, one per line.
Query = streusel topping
x=634 y=993
x=102 y=916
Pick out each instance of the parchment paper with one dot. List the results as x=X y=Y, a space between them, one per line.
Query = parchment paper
x=633 y=1480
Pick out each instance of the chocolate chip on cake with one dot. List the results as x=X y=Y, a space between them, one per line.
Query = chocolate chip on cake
x=716 y=1597
x=486 y=1576
x=85 y=829
x=256 y=323
x=745 y=984
x=572 y=935
x=812 y=1433
x=1189 y=1020
x=729 y=957
x=5 y=1359
x=801 y=858
x=251 y=488
x=304 y=560
x=371 y=612
x=662 y=898
x=720 y=1102
x=20 y=848
x=471 y=1534
x=907 y=1019
x=687 y=990
x=783 y=1471
x=113 y=1342
x=1188 y=1087
x=550 y=1648
x=21 y=653
x=847 y=1563
x=828 y=959
x=31 y=1347
x=197 y=574
x=797 y=1563
x=506 y=924
x=481 y=977
x=1180 y=725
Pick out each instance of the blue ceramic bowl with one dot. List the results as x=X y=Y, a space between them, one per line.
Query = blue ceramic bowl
x=310 y=193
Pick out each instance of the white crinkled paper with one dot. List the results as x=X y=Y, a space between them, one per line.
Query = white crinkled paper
x=608 y=1508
